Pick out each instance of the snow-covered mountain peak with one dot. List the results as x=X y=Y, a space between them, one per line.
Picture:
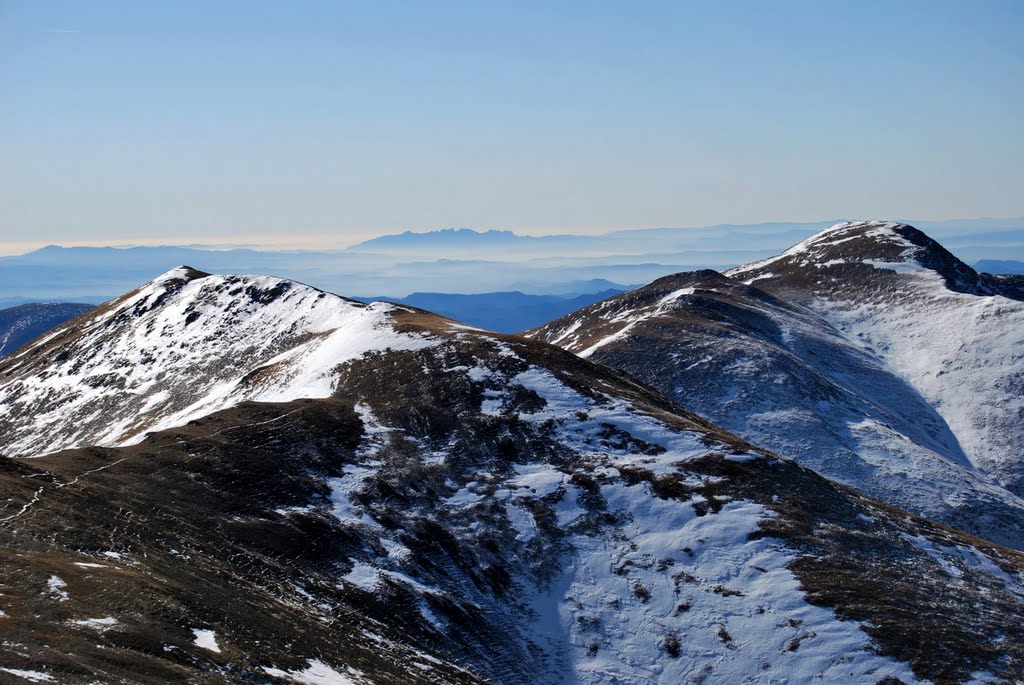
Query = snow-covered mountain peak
x=868 y=352
x=170 y=281
x=458 y=507
x=183 y=345
x=488 y=509
x=179 y=273
x=870 y=251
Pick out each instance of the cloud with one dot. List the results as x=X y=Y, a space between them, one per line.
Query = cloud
x=61 y=31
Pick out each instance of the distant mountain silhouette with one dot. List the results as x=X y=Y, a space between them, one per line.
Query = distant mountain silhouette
x=504 y=312
x=999 y=266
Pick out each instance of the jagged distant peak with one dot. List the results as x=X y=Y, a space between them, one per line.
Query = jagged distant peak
x=444 y=237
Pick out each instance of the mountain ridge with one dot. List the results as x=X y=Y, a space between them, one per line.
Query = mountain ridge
x=449 y=506
x=758 y=352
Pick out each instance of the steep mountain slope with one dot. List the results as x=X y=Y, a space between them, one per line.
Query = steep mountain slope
x=457 y=507
x=180 y=347
x=20 y=324
x=955 y=335
x=777 y=368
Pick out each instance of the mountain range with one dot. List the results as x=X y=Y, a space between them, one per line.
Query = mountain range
x=868 y=352
x=507 y=312
x=461 y=261
x=243 y=479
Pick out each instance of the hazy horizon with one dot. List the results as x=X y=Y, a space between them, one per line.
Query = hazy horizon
x=324 y=123
x=285 y=242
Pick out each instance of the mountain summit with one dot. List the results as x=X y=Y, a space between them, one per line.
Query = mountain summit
x=952 y=334
x=182 y=346
x=300 y=488
x=867 y=351
x=851 y=255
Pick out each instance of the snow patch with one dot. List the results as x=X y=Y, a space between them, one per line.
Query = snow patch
x=100 y=624
x=686 y=584
x=319 y=673
x=205 y=639
x=363 y=576
x=56 y=587
x=31 y=676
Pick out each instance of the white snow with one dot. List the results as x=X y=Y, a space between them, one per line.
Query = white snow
x=56 y=587
x=963 y=353
x=833 y=235
x=343 y=489
x=631 y=318
x=540 y=479
x=564 y=406
x=674 y=573
x=521 y=520
x=100 y=624
x=908 y=267
x=205 y=639
x=363 y=576
x=319 y=673
x=958 y=561
x=572 y=328
x=463 y=498
x=158 y=359
x=31 y=676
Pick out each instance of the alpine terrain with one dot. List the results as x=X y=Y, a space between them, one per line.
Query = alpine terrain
x=867 y=352
x=242 y=479
x=20 y=324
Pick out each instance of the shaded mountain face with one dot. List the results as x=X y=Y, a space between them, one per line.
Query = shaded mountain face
x=770 y=352
x=423 y=502
x=20 y=324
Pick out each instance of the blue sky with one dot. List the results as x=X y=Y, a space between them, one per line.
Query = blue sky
x=320 y=123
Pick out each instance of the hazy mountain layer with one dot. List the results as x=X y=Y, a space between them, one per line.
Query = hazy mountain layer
x=500 y=312
x=20 y=324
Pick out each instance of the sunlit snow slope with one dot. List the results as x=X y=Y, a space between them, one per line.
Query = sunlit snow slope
x=484 y=509
x=183 y=346
x=760 y=355
x=956 y=336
